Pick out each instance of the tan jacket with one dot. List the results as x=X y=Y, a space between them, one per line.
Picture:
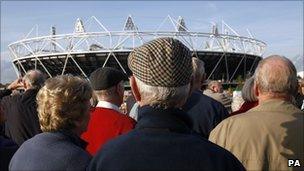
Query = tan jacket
x=265 y=137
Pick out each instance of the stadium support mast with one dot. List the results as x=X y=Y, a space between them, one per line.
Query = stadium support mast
x=181 y=26
x=79 y=27
x=53 y=33
x=129 y=25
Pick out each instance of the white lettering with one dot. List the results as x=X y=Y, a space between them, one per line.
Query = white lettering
x=292 y=163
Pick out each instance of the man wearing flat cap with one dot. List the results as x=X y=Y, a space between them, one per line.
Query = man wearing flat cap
x=106 y=120
x=162 y=140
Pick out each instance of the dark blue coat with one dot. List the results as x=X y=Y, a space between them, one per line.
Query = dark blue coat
x=204 y=113
x=7 y=150
x=162 y=141
x=51 y=151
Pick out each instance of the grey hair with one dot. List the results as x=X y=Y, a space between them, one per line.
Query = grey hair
x=34 y=78
x=276 y=80
x=164 y=97
x=248 y=91
x=109 y=92
x=198 y=68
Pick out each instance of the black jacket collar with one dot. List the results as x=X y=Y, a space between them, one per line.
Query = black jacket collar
x=172 y=119
x=73 y=138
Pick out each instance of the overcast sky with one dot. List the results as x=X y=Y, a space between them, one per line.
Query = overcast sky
x=278 y=23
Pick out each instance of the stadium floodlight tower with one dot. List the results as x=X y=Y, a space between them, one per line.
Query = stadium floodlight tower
x=91 y=45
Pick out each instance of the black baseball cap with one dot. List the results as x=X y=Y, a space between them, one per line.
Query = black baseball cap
x=106 y=77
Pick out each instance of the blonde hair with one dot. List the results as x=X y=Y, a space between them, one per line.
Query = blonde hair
x=62 y=101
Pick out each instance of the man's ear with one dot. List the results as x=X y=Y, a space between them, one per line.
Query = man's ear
x=212 y=88
x=117 y=89
x=134 y=89
x=256 y=89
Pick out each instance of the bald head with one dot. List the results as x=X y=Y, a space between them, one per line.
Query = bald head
x=33 y=79
x=276 y=76
x=215 y=86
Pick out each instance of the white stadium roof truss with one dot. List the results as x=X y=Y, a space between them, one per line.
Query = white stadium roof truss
x=84 y=41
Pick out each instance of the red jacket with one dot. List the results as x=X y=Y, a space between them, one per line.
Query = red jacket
x=105 y=124
x=245 y=107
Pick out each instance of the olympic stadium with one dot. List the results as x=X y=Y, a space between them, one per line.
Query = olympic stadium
x=227 y=55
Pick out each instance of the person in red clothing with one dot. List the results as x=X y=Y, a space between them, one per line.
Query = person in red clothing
x=248 y=96
x=106 y=120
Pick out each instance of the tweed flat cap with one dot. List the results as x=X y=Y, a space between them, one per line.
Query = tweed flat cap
x=106 y=77
x=164 y=62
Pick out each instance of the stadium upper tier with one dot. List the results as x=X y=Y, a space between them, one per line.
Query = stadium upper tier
x=84 y=50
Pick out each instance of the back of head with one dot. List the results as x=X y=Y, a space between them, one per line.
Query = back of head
x=106 y=77
x=104 y=82
x=198 y=72
x=276 y=77
x=34 y=79
x=215 y=86
x=248 y=93
x=62 y=101
x=162 y=69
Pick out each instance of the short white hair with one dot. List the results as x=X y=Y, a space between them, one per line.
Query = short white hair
x=276 y=75
x=164 y=97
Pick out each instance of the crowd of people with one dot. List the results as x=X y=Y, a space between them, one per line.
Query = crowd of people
x=169 y=121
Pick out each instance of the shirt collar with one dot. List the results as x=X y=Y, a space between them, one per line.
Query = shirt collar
x=172 y=119
x=108 y=105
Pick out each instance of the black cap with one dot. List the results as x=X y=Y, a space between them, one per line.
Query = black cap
x=106 y=77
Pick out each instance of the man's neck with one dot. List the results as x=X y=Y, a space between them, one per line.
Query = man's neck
x=110 y=100
x=265 y=97
x=108 y=105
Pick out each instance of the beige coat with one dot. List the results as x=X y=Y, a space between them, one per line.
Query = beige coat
x=265 y=137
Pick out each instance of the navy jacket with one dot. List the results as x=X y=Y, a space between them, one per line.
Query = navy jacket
x=51 y=151
x=204 y=113
x=162 y=141
x=21 y=116
x=7 y=150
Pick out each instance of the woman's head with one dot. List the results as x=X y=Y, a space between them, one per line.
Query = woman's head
x=64 y=103
x=248 y=93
